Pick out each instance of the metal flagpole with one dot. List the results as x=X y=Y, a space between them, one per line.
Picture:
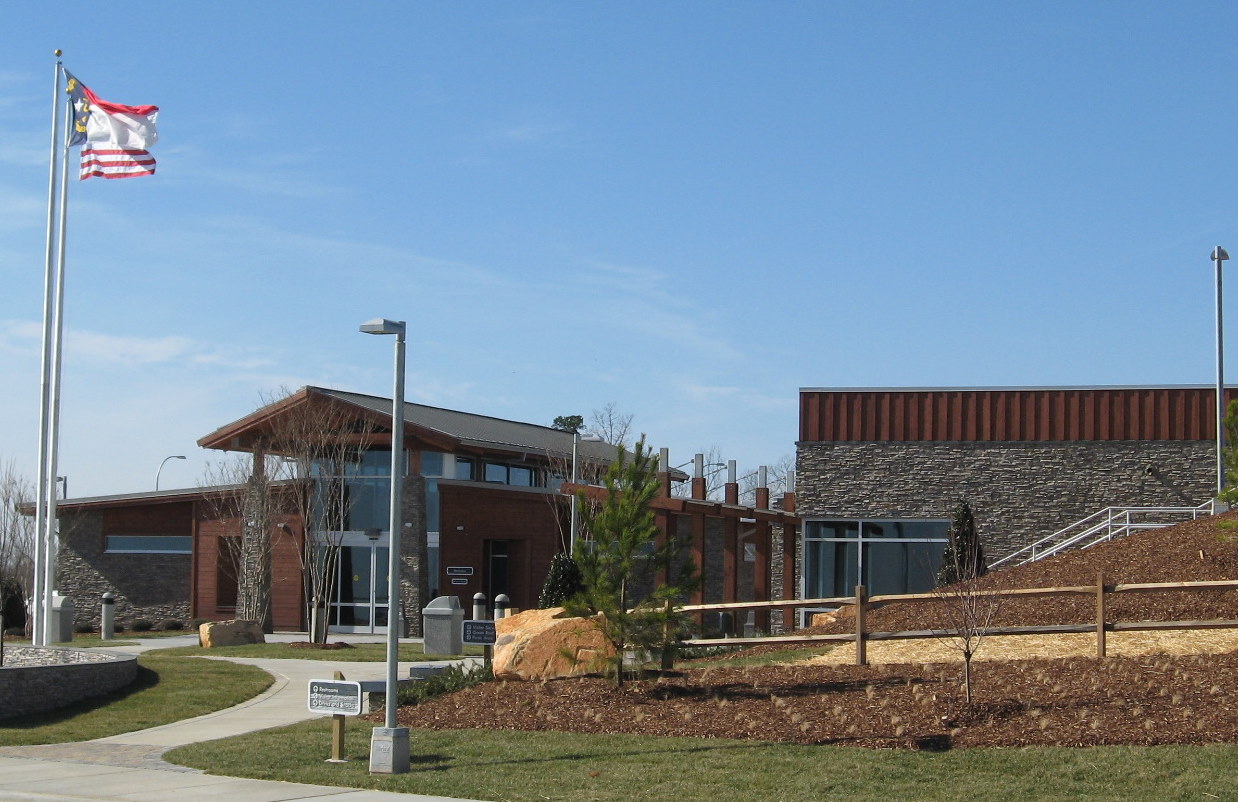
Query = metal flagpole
x=38 y=628
x=1218 y=257
x=53 y=443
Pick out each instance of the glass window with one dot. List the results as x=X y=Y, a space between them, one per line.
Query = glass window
x=496 y=473
x=149 y=544
x=464 y=468
x=432 y=463
x=520 y=475
x=887 y=557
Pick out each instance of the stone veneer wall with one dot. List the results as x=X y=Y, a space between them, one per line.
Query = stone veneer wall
x=1019 y=491
x=150 y=586
x=26 y=689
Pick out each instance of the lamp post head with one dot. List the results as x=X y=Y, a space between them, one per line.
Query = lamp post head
x=1219 y=254
x=380 y=325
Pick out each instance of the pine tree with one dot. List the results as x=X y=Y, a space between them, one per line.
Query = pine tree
x=621 y=551
x=562 y=582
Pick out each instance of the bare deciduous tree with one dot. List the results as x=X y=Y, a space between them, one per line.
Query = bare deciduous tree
x=302 y=470
x=611 y=425
x=968 y=607
x=16 y=538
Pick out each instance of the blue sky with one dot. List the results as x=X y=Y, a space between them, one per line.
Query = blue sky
x=689 y=210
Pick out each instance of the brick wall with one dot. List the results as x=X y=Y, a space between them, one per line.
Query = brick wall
x=1019 y=491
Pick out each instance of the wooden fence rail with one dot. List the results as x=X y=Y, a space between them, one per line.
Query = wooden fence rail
x=863 y=603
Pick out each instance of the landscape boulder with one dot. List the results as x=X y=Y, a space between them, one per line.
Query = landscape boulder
x=229 y=633
x=545 y=644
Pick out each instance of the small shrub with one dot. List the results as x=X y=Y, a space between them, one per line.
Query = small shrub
x=83 y=629
x=15 y=632
x=143 y=625
x=194 y=623
x=454 y=678
x=172 y=625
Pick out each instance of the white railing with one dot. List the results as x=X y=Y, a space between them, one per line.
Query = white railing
x=1103 y=526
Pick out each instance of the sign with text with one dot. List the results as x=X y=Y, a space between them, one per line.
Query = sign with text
x=335 y=697
x=459 y=570
x=479 y=633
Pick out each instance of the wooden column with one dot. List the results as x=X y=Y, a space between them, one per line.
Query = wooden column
x=730 y=552
x=760 y=570
x=789 y=588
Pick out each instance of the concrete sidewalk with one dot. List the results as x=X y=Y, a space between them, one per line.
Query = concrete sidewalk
x=130 y=766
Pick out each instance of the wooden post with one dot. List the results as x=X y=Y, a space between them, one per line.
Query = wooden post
x=668 y=653
x=861 y=652
x=337 y=732
x=1100 y=614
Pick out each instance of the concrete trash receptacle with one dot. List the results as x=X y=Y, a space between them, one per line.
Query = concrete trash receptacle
x=442 y=620
x=62 y=618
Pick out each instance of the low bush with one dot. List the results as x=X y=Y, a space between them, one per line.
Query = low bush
x=452 y=679
x=143 y=625
x=194 y=623
x=172 y=625
x=83 y=629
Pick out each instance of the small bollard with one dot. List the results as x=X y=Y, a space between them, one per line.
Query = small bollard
x=501 y=603
x=107 y=618
x=480 y=614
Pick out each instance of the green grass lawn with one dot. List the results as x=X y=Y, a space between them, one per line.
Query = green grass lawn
x=495 y=765
x=359 y=653
x=166 y=689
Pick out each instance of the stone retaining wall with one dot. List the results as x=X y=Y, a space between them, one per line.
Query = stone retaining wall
x=34 y=680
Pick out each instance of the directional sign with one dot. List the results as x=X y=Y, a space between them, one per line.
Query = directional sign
x=335 y=697
x=479 y=633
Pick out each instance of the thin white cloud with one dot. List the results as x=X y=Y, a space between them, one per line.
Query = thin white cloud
x=529 y=133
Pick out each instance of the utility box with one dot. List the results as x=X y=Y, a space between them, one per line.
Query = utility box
x=442 y=620
x=62 y=618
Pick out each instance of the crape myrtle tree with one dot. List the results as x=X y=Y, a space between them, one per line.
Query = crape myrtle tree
x=302 y=470
x=620 y=552
x=968 y=607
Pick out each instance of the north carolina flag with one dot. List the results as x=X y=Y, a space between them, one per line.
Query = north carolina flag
x=114 y=137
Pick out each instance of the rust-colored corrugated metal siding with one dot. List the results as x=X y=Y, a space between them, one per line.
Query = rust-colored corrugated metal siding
x=1050 y=414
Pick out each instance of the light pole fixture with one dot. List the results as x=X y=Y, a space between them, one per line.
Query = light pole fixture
x=389 y=743
x=1218 y=256
x=588 y=437
x=165 y=462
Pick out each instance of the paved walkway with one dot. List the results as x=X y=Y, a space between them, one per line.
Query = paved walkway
x=130 y=766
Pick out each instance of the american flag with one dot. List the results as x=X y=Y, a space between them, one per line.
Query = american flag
x=104 y=160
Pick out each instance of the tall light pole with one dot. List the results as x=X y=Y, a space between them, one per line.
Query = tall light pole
x=1218 y=256
x=389 y=743
x=588 y=437
x=160 y=471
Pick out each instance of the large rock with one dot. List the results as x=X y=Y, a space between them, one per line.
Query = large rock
x=543 y=644
x=229 y=633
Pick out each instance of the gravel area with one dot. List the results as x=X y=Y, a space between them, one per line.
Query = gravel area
x=17 y=656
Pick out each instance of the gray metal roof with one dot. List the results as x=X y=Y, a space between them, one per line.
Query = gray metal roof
x=481 y=431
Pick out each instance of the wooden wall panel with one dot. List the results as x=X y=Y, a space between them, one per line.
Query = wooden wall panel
x=1009 y=414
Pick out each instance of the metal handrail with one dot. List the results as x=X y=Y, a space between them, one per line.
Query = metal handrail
x=1113 y=522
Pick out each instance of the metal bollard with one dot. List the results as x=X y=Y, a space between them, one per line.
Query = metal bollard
x=480 y=613
x=501 y=603
x=107 y=618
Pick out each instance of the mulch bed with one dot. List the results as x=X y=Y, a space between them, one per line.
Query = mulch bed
x=1079 y=701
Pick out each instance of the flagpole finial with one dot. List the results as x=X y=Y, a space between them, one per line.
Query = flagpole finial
x=57 y=52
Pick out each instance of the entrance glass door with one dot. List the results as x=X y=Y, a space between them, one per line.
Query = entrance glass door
x=360 y=601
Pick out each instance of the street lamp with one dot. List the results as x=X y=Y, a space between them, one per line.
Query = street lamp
x=1218 y=256
x=588 y=437
x=160 y=471
x=389 y=743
